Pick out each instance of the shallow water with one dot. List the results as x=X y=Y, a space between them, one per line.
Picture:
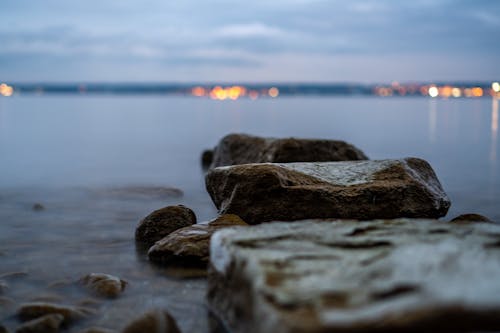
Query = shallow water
x=67 y=152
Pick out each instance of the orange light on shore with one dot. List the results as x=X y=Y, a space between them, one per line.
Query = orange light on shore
x=6 y=90
x=273 y=92
x=198 y=91
x=477 y=92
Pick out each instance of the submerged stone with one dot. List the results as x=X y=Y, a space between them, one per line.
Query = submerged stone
x=104 y=285
x=243 y=149
x=471 y=218
x=154 y=321
x=162 y=222
x=46 y=324
x=356 y=190
x=348 y=276
x=190 y=245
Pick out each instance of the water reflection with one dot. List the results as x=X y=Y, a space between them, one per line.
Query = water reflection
x=494 y=130
x=432 y=120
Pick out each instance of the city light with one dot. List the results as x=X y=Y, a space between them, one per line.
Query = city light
x=273 y=92
x=495 y=86
x=6 y=90
x=433 y=91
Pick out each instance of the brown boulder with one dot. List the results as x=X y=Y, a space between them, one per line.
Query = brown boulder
x=34 y=310
x=104 y=285
x=190 y=245
x=46 y=324
x=353 y=190
x=162 y=222
x=236 y=149
x=154 y=321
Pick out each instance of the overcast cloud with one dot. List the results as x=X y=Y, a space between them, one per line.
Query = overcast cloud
x=193 y=41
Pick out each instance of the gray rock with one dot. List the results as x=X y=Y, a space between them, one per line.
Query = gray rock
x=350 y=276
x=206 y=158
x=190 y=245
x=154 y=321
x=70 y=313
x=46 y=324
x=356 y=190
x=104 y=285
x=162 y=222
x=242 y=149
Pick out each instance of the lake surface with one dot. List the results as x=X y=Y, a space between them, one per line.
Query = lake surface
x=71 y=153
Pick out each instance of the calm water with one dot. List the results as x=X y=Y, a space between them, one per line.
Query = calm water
x=66 y=152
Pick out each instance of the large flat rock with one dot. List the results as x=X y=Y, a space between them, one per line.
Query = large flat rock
x=355 y=190
x=242 y=149
x=348 y=276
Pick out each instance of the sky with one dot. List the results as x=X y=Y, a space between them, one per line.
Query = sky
x=249 y=41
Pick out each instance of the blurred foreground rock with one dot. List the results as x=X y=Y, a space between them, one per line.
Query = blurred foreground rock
x=242 y=149
x=189 y=246
x=162 y=222
x=104 y=285
x=356 y=189
x=347 y=276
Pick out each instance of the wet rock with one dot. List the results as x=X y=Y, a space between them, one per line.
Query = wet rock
x=37 y=309
x=46 y=324
x=162 y=222
x=206 y=158
x=190 y=245
x=242 y=149
x=38 y=207
x=104 y=285
x=471 y=218
x=306 y=276
x=3 y=329
x=357 y=190
x=154 y=321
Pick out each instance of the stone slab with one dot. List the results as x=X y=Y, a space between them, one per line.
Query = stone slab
x=347 y=276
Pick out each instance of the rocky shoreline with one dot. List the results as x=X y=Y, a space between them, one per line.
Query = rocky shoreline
x=311 y=236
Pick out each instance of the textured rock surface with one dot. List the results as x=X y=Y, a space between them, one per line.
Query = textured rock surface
x=190 y=245
x=46 y=324
x=104 y=285
x=242 y=149
x=38 y=309
x=347 y=276
x=356 y=190
x=154 y=321
x=162 y=222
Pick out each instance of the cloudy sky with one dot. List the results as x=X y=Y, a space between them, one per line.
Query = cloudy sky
x=250 y=41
